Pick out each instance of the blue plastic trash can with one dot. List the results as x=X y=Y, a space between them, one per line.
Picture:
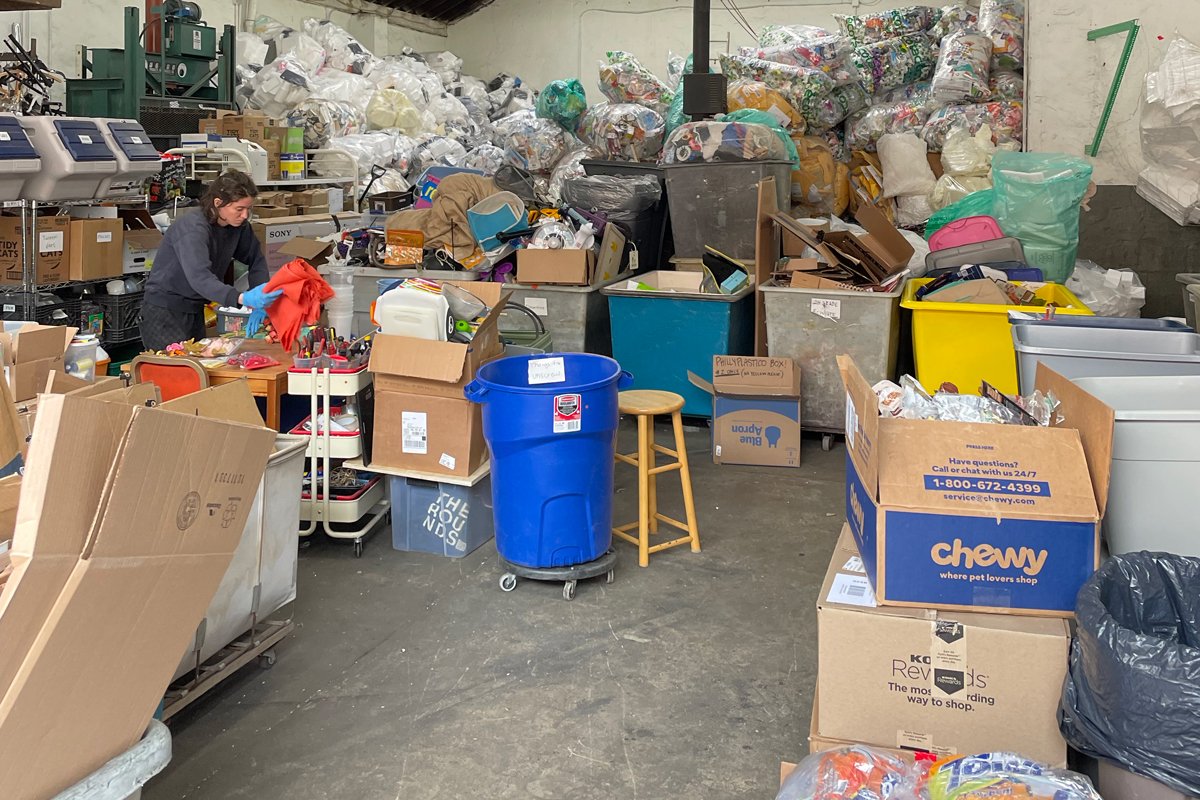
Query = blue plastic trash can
x=550 y=422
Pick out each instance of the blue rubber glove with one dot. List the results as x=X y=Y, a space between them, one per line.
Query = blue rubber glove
x=255 y=323
x=259 y=297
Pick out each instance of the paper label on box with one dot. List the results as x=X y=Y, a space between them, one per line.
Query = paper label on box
x=913 y=740
x=415 y=432
x=537 y=305
x=135 y=139
x=9 y=308
x=547 y=370
x=52 y=242
x=851 y=421
x=448 y=461
x=717 y=450
x=568 y=413
x=948 y=656
x=779 y=114
x=854 y=564
x=826 y=307
x=104 y=237
x=85 y=139
x=4 y=136
x=852 y=590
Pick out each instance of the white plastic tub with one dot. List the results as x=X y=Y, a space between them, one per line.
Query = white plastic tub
x=1156 y=462
x=1090 y=352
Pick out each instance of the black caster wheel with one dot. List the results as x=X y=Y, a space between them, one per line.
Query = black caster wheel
x=358 y=548
x=508 y=582
x=610 y=577
x=267 y=659
x=569 y=590
x=827 y=442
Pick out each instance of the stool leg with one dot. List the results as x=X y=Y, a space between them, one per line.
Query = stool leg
x=644 y=451
x=653 y=460
x=685 y=477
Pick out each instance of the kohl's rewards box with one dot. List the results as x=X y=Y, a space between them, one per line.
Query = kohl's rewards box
x=986 y=517
x=756 y=410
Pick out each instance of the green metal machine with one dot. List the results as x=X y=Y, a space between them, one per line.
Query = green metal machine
x=168 y=93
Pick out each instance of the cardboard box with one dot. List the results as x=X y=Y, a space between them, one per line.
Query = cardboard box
x=141 y=238
x=756 y=410
x=311 y=250
x=335 y=197
x=271 y=212
x=126 y=534
x=818 y=741
x=313 y=210
x=97 y=249
x=31 y=354
x=419 y=389
x=273 y=234
x=310 y=197
x=52 y=250
x=243 y=126
x=983 y=290
x=1001 y=518
x=272 y=199
x=562 y=267
x=272 y=147
x=948 y=683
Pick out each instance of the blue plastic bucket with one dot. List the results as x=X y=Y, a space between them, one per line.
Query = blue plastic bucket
x=550 y=422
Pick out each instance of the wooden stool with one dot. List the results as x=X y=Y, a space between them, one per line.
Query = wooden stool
x=645 y=404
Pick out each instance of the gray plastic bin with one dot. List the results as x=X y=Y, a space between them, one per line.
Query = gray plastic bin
x=1156 y=462
x=1090 y=352
x=1189 y=300
x=576 y=316
x=123 y=777
x=717 y=204
x=814 y=326
x=440 y=517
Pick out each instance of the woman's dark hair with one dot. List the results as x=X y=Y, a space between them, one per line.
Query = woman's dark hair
x=228 y=187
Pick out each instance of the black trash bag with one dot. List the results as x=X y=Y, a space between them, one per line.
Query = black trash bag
x=612 y=193
x=1132 y=692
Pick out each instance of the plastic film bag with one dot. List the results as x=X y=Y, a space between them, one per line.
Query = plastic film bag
x=471 y=88
x=820 y=183
x=913 y=211
x=866 y=128
x=269 y=28
x=251 y=50
x=675 y=116
x=954 y=18
x=623 y=131
x=612 y=193
x=963 y=69
x=436 y=151
x=389 y=73
x=536 y=145
x=753 y=116
x=973 y=205
x=804 y=87
x=747 y=94
x=1132 y=693
x=344 y=52
x=1108 y=292
x=892 y=63
x=1003 y=21
x=836 y=139
x=391 y=108
x=871 y=28
x=1001 y=775
x=569 y=168
x=446 y=65
x=383 y=149
x=952 y=188
x=966 y=154
x=906 y=170
x=624 y=80
x=849 y=773
x=1004 y=118
x=1006 y=85
x=303 y=49
x=511 y=97
x=918 y=93
x=803 y=45
x=712 y=140
x=835 y=107
x=564 y=102
x=347 y=87
x=279 y=86
x=448 y=109
x=487 y=158
x=323 y=120
x=676 y=66
x=1037 y=201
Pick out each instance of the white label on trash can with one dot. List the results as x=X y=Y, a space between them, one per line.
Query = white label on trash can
x=827 y=308
x=547 y=370
x=85 y=139
x=415 y=432
x=447 y=461
x=4 y=137
x=537 y=305
x=568 y=413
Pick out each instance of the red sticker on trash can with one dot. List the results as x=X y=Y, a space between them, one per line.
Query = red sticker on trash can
x=568 y=413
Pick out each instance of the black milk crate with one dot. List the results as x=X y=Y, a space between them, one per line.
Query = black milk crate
x=121 y=311
x=113 y=337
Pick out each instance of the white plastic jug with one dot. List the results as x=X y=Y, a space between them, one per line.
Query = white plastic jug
x=412 y=312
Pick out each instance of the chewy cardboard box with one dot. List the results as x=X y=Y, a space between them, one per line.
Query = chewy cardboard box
x=126 y=513
x=425 y=423
x=97 y=249
x=1002 y=518
x=564 y=267
x=275 y=233
x=52 y=249
x=945 y=682
x=756 y=410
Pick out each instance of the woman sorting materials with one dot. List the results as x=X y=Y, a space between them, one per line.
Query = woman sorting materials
x=194 y=266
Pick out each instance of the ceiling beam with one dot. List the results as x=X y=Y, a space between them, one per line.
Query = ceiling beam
x=415 y=22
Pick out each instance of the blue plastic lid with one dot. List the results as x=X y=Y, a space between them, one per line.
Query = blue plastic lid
x=83 y=140
x=14 y=143
x=133 y=140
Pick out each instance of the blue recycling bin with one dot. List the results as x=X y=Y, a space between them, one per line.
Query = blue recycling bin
x=550 y=422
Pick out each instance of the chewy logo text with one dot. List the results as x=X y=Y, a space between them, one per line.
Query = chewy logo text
x=985 y=555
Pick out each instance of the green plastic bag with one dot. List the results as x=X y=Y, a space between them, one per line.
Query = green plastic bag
x=973 y=205
x=753 y=115
x=675 y=115
x=563 y=101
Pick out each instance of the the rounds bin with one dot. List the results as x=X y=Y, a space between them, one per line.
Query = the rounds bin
x=552 y=447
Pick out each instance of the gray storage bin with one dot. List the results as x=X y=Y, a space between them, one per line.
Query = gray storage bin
x=716 y=204
x=989 y=252
x=1089 y=352
x=576 y=317
x=1155 y=462
x=439 y=517
x=1189 y=300
x=814 y=326
x=123 y=777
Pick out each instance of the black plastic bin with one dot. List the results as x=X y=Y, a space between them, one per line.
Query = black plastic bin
x=650 y=230
x=121 y=311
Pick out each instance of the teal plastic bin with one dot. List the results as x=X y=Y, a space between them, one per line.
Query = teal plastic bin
x=661 y=335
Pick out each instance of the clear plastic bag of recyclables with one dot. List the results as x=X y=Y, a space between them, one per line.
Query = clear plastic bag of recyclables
x=1132 y=693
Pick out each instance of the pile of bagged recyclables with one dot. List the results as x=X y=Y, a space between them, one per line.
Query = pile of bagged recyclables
x=947 y=78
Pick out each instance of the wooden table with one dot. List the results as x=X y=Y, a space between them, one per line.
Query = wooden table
x=268 y=382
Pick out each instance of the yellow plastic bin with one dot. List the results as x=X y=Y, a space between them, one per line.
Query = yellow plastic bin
x=965 y=343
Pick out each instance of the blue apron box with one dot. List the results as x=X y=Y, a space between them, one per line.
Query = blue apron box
x=1000 y=518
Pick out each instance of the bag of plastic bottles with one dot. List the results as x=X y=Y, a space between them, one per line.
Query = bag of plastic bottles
x=623 y=79
x=623 y=131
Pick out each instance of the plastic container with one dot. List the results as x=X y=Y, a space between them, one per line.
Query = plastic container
x=661 y=336
x=344 y=510
x=415 y=313
x=814 y=326
x=121 y=311
x=716 y=204
x=992 y=251
x=123 y=777
x=18 y=159
x=550 y=423
x=576 y=317
x=76 y=160
x=1191 y=300
x=447 y=519
x=342 y=382
x=342 y=444
x=80 y=358
x=232 y=320
x=1123 y=323
x=1156 y=462
x=966 y=343
x=968 y=230
x=1111 y=352
x=650 y=231
x=137 y=157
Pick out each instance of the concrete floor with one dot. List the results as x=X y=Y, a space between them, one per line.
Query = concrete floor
x=413 y=676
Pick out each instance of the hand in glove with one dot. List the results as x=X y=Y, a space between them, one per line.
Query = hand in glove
x=255 y=323
x=259 y=297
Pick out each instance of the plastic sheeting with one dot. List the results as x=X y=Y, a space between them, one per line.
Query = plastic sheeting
x=345 y=52
x=323 y=120
x=623 y=131
x=1132 y=692
x=570 y=167
x=866 y=128
x=613 y=193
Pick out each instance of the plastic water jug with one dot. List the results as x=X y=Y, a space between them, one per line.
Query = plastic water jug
x=413 y=312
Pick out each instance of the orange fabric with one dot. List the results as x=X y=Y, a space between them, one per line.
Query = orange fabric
x=303 y=292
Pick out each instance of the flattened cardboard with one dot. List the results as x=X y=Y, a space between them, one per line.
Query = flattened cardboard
x=311 y=250
x=560 y=267
x=229 y=402
x=946 y=682
x=10 y=496
x=611 y=257
x=28 y=379
x=972 y=516
x=983 y=291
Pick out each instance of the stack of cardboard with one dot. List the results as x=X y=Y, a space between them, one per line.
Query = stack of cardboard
x=943 y=620
x=272 y=135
